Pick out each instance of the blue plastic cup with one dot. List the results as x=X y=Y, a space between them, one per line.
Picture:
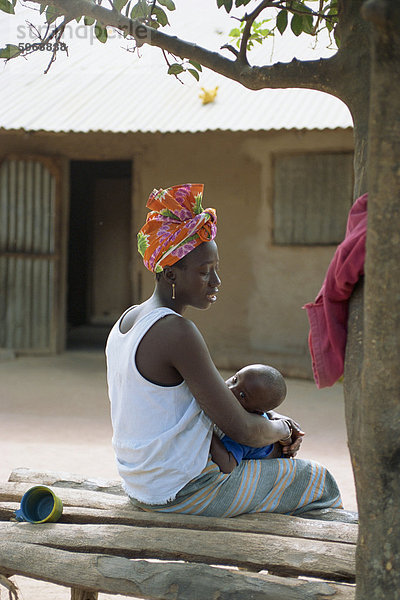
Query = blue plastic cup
x=39 y=505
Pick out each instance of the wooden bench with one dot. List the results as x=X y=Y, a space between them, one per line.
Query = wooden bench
x=103 y=544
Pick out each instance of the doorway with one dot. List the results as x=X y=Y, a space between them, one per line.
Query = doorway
x=99 y=250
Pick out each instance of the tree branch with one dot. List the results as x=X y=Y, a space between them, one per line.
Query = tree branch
x=247 y=29
x=322 y=75
x=231 y=49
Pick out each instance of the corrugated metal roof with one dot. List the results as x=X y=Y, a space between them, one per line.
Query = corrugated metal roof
x=105 y=88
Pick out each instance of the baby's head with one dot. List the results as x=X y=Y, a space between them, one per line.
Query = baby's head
x=259 y=388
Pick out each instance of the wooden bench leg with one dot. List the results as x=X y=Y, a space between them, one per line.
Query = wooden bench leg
x=81 y=594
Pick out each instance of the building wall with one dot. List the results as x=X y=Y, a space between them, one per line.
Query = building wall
x=258 y=315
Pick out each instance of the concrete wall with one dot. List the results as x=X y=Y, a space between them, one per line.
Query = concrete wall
x=258 y=315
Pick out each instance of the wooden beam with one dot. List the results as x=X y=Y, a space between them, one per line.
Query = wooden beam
x=273 y=524
x=72 y=480
x=158 y=581
x=281 y=555
x=13 y=492
x=332 y=514
x=66 y=480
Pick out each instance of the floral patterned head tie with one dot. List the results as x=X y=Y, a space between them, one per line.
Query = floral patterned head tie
x=176 y=225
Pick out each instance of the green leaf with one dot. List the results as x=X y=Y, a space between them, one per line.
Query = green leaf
x=7 y=7
x=329 y=26
x=220 y=3
x=119 y=4
x=9 y=51
x=51 y=14
x=100 y=33
x=296 y=24
x=196 y=65
x=140 y=10
x=258 y=24
x=42 y=8
x=300 y=6
x=89 y=20
x=160 y=15
x=337 y=38
x=228 y=5
x=235 y=32
x=168 y=4
x=175 y=69
x=332 y=9
x=282 y=21
x=194 y=73
x=241 y=2
x=308 y=24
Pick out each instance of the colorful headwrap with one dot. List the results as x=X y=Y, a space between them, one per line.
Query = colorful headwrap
x=176 y=225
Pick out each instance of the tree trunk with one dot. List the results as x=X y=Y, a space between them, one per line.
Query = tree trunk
x=373 y=408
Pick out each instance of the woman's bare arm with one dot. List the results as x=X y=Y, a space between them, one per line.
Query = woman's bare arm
x=189 y=355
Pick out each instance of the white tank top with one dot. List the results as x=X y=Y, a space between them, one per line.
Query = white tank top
x=161 y=436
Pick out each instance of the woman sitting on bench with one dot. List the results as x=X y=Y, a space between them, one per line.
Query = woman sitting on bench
x=166 y=393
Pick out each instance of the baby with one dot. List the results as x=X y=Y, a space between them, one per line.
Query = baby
x=259 y=389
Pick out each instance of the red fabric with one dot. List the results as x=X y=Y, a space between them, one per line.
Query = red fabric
x=328 y=314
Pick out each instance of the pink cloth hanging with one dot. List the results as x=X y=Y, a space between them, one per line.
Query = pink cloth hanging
x=328 y=314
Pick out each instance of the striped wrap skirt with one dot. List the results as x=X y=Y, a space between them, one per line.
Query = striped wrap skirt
x=281 y=485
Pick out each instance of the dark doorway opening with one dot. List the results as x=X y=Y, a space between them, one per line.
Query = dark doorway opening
x=99 y=282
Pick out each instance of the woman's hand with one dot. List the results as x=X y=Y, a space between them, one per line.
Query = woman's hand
x=289 y=450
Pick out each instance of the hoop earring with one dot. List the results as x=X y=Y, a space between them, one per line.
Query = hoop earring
x=173 y=291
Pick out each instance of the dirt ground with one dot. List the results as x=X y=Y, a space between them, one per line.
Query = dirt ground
x=54 y=415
